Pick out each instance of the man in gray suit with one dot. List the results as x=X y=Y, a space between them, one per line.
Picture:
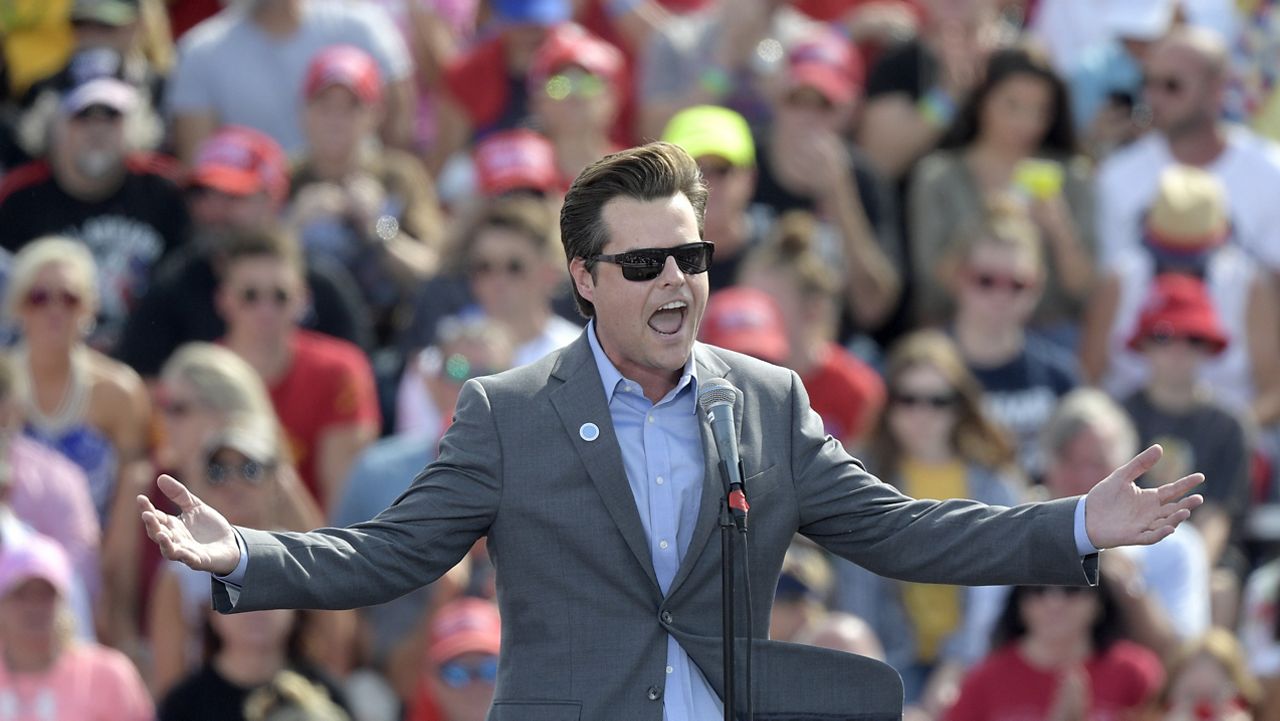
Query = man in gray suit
x=597 y=487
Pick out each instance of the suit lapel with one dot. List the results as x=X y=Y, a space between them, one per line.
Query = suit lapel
x=709 y=366
x=581 y=400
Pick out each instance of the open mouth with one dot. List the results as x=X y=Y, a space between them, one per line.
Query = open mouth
x=669 y=319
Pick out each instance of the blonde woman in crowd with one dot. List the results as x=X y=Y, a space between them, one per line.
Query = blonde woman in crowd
x=205 y=388
x=92 y=409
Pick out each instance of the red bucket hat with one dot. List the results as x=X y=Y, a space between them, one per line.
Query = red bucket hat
x=1179 y=306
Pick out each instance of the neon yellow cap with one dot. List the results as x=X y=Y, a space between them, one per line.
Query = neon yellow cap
x=712 y=130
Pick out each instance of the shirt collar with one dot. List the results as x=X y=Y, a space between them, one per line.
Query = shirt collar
x=611 y=377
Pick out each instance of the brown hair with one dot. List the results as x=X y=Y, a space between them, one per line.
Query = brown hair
x=975 y=437
x=648 y=172
x=792 y=249
x=274 y=243
x=527 y=216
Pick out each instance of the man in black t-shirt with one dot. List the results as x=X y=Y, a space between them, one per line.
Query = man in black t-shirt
x=240 y=181
x=126 y=207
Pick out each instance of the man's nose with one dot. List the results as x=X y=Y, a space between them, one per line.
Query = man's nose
x=671 y=273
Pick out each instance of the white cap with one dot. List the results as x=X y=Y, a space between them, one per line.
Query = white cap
x=106 y=91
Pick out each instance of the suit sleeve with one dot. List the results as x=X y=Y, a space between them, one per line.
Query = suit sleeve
x=855 y=515
x=415 y=541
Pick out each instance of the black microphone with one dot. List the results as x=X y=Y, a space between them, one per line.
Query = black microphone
x=717 y=398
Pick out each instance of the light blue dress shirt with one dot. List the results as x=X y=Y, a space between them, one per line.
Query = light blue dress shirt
x=662 y=453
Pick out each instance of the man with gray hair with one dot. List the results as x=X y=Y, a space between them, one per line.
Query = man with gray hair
x=92 y=186
x=1185 y=85
x=1163 y=588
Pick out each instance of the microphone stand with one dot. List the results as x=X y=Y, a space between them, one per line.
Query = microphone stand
x=733 y=517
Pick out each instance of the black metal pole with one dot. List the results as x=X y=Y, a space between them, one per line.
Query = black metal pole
x=727 y=529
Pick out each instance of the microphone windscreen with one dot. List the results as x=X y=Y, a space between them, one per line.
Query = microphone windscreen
x=716 y=392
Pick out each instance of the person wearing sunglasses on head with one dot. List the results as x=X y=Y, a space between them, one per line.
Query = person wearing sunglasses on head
x=457 y=683
x=997 y=280
x=594 y=481
x=90 y=408
x=322 y=387
x=934 y=440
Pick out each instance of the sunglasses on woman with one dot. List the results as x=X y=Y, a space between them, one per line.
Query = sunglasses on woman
x=45 y=297
x=645 y=264
x=220 y=474
x=937 y=401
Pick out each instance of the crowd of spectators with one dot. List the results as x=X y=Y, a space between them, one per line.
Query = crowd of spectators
x=261 y=244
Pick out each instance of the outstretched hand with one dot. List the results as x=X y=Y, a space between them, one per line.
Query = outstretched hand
x=1120 y=513
x=198 y=536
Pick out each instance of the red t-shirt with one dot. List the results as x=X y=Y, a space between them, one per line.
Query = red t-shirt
x=1005 y=687
x=846 y=392
x=328 y=384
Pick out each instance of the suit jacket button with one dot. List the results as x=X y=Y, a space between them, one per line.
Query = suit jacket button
x=655 y=693
x=665 y=616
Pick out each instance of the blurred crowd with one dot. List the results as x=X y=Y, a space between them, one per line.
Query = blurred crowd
x=1005 y=244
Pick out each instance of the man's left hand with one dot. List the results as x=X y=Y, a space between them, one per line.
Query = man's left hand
x=1120 y=513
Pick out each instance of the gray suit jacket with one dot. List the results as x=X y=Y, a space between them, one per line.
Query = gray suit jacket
x=584 y=623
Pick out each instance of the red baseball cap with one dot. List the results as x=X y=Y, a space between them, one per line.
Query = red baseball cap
x=515 y=160
x=826 y=62
x=1179 y=306
x=242 y=161
x=747 y=321
x=467 y=625
x=573 y=45
x=348 y=66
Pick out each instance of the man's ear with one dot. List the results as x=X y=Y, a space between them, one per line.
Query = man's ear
x=582 y=279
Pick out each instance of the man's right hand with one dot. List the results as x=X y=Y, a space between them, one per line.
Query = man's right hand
x=198 y=536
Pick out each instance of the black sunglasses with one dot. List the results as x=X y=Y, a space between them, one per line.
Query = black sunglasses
x=512 y=267
x=647 y=263
x=252 y=295
x=922 y=399
x=97 y=112
x=1197 y=342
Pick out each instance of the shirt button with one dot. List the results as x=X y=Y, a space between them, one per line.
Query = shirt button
x=670 y=670
x=655 y=693
x=651 y=419
x=665 y=616
x=659 y=480
x=663 y=544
